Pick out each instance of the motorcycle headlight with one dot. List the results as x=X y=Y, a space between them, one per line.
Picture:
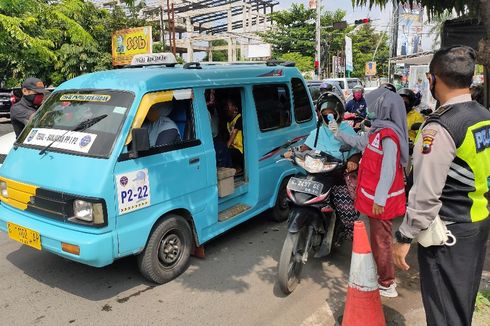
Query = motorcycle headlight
x=3 y=189
x=315 y=165
x=88 y=212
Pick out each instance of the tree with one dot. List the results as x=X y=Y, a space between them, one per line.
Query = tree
x=221 y=55
x=365 y=42
x=56 y=40
x=472 y=8
x=303 y=63
x=294 y=31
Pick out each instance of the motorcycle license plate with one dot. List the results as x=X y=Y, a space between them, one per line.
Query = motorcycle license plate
x=305 y=186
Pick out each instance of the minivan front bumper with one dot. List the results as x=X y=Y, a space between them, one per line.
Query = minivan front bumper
x=95 y=249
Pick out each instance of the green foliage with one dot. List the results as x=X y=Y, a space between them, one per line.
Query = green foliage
x=364 y=43
x=293 y=37
x=303 y=63
x=56 y=40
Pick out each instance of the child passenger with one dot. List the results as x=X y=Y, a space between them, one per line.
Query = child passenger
x=380 y=189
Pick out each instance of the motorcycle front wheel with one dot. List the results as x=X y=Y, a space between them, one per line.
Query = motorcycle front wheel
x=290 y=263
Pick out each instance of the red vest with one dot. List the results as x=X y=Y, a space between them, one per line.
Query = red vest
x=369 y=174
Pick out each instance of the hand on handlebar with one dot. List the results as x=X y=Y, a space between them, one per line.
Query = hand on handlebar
x=351 y=166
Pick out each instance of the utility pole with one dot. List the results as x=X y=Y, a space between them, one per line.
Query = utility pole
x=318 y=37
x=162 y=28
x=394 y=36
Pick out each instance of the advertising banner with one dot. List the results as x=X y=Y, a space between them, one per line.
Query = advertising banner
x=126 y=43
x=370 y=69
x=348 y=54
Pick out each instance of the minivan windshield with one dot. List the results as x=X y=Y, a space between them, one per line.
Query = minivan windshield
x=57 y=123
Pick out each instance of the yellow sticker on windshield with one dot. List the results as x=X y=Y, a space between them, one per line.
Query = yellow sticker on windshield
x=85 y=97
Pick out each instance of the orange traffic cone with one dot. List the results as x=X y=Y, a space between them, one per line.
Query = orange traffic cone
x=363 y=303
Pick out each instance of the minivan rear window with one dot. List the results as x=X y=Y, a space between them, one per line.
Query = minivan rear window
x=84 y=122
x=302 y=106
x=273 y=105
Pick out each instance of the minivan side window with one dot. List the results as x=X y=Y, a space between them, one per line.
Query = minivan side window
x=169 y=123
x=353 y=83
x=302 y=107
x=273 y=105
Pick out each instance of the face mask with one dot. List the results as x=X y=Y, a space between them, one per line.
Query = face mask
x=35 y=99
x=371 y=116
x=357 y=96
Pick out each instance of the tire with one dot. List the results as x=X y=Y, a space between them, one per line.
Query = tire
x=281 y=209
x=159 y=265
x=289 y=265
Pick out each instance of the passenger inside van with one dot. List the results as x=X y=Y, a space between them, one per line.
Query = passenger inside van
x=161 y=129
x=223 y=158
x=235 y=129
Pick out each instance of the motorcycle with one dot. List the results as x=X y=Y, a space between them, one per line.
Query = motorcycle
x=312 y=223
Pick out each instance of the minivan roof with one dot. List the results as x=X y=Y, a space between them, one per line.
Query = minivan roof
x=141 y=80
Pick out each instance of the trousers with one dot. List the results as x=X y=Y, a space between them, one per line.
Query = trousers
x=381 y=238
x=450 y=275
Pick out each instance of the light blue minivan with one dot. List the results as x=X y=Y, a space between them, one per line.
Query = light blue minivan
x=89 y=179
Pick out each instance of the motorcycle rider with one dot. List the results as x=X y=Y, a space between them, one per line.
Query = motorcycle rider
x=413 y=116
x=33 y=91
x=330 y=103
x=358 y=104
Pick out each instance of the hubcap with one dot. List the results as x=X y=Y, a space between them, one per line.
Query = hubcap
x=170 y=249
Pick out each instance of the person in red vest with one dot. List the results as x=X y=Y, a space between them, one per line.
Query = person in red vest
x=381 y=187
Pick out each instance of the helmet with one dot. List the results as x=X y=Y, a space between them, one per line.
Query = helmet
x=412 y=98
x=329 y=100
x=326 y=87
x=358 y=88
x=389 y=86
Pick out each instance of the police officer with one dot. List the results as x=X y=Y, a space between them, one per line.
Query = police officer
x=451 y=180
x=32 y=96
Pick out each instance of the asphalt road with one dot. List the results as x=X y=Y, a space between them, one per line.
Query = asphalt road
x=235 y=284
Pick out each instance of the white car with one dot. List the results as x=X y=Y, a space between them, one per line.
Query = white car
x=347 y=84
x=6 y=143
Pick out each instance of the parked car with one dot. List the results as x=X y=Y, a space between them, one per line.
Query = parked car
x=5 y=102
x=314 y=88
x=346 y=85
x=6 y=143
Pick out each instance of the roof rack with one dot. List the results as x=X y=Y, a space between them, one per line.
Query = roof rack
x=192 y=65
x=280 y=63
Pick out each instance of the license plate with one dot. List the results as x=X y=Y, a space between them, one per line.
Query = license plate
x=24 y=235
x=305 y=186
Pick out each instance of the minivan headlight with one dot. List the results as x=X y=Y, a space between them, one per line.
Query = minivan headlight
x=3 y=189
x=88 y=212
x=83 y=210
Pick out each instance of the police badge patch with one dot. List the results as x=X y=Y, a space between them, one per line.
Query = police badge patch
x=427 y=140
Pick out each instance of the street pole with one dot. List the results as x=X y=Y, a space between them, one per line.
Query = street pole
x=318 y=37
x=162 y=35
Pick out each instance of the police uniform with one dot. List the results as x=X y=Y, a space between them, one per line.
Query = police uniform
x=451 y=163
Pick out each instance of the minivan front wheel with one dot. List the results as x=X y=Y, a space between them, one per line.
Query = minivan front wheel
x=167 y=252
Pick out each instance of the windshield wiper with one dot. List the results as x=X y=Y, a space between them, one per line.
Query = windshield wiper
x=79 y=127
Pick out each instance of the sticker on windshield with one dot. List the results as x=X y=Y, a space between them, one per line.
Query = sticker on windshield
x=85 y=97
x=133 y=190
x=119 y=110
x=68 y=140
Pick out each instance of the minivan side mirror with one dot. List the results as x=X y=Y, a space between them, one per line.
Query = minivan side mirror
x=140 y=142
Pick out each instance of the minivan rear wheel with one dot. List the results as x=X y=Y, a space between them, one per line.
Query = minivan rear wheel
x=167 y=252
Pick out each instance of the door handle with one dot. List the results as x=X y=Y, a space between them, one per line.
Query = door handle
x=194 y=160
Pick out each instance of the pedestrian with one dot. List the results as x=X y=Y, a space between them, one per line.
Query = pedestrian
x=358 y=104
x=32 y=96
x=380 y=193
x=451 y=181
x=413 y=116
